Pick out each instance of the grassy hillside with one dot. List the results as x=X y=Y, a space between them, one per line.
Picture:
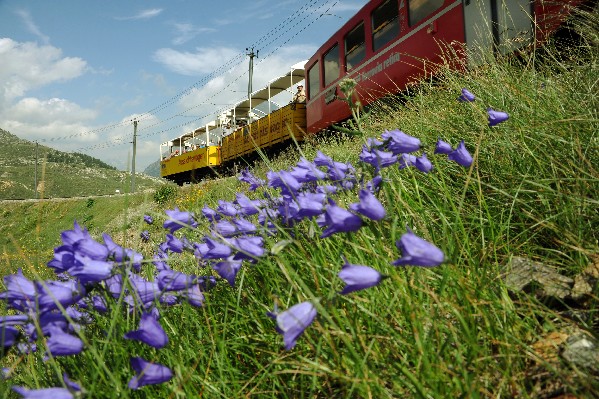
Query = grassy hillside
x=59 y=174
x=456 y=329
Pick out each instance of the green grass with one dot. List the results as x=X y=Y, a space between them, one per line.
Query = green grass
x=59 y=174
x=451 y=331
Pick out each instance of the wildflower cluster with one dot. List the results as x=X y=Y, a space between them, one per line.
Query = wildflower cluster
x=96 y=275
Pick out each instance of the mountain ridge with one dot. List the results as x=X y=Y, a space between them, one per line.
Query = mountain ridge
x=58 y=174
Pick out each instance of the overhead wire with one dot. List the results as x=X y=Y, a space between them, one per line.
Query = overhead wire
x=237 y=79
x=237 y=59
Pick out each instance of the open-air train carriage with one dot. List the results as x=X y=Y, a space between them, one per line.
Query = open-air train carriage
x=237 y=131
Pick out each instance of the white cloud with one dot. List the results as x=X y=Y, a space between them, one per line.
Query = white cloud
x=31 y=26
x=203 y=61
x=144 y=14
x=185 y=32
x=221 y=92
x=27 y=66
x=51 y=119
x=41 y=112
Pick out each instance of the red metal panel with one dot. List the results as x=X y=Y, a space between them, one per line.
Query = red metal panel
x=389 y=70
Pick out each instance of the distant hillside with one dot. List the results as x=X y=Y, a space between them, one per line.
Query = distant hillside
x=153 y=169
x=59 y=174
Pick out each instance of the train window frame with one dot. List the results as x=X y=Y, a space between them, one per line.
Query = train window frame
x=355 y=50
x=419 y=10
x=381 y=31
x=314 y=80
x=328 y=56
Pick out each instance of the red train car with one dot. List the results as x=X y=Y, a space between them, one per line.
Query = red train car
x=389 y=43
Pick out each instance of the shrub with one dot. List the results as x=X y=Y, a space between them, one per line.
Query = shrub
x=164 y=194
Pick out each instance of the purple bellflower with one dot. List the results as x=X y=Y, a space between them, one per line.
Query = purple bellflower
x=248 y=247
x=99 y=304
x=406 y=160
x=227 y=208
x=496 y=117
x=423 y=164
x=8 y=336
x=194 y=296
x=461 y=155
x=247 y=177
x=358 y=277
x=310 y=204
x=283 y=180
x=374 y=185
x=73 y=386
x=210 y=213
x=244 y=226
x=63 y=344
x=145 y=236
x=418 y=252
x=171 y=280
x=247 y=206
x=443 y=147
x=148 y=373
x=339 y=220
x=216 y=249
x=292 y=322
x=122 y=255
x=145 y=291
x=398 y=142
x=20 y=292
x=150 y=332
x=322 y=160
x=179 y=219
x=313 y=173
x=466 y=96
x=90 y=271
x=174 y=244
x=225 y=228
x=45 y=393
x=13 y=320
x=65 y=293
x=91 y=248
x=148 y=219
x=70 y=237
x=228 y=269
x=369 y=206
x=377 y=158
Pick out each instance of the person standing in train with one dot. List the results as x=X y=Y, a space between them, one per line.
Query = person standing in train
x=299 y=97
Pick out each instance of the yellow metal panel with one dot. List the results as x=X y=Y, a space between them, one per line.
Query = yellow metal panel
x=264 y=131
x=196 y=159
x=226 y=148
x=275 y=126
x=246 y=139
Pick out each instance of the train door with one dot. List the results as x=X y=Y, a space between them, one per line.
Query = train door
x=497 y=25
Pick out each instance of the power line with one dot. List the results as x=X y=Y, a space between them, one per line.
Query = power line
x=236 y=60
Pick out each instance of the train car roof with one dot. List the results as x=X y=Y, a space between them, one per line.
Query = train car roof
x=296 y=74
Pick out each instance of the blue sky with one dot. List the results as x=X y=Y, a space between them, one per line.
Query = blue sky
x=74 y=73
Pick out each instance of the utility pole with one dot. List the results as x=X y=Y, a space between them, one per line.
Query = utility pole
x=133 y=160
x=251 y=55
x=35 y=175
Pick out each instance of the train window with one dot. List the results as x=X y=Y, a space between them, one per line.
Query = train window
x=385 y=24
x=420 y=9
x=355 y=47
x=331 y=65
x=313 y=80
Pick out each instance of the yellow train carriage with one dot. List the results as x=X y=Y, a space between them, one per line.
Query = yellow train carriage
x=191 y=156
x=277 y=127
x=188 y=161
